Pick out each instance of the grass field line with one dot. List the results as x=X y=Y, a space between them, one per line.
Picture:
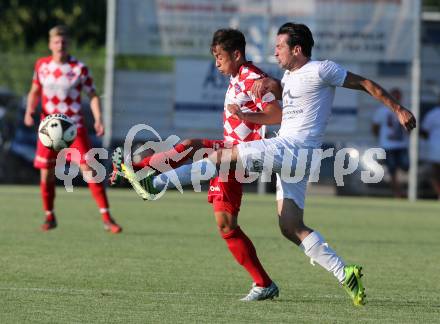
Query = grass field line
x=298 y=298
x=145 y=292
x=111 y=291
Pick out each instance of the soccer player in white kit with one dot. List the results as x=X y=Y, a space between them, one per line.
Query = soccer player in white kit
x=307 y=90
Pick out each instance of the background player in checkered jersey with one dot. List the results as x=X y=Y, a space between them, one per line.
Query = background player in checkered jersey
x=58 y=81
x=307 y=90
x=228 y=49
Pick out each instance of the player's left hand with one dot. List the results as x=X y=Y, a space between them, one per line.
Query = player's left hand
x=235 y=110
x=406 y=119
x=99 y=128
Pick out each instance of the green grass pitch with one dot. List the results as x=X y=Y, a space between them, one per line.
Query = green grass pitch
x=171 y=266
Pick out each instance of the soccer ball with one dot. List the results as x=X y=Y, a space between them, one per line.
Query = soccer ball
x=57 y=131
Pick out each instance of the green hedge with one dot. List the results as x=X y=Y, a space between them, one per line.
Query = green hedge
x=16 y=69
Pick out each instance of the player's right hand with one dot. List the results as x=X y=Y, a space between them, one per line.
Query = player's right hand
x=406 y=119
x=29 y=119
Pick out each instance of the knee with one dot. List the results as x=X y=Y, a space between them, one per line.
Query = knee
x=292 y=232
x=226 y=223
x=187 y=142
x=47 y=176
x=289 y=233
x=225 y=228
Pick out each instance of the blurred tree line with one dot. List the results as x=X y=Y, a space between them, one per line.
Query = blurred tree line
x=433 y=5
x=24 y=24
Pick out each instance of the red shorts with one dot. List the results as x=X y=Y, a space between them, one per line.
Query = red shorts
x=225 y=196
x=45 y=158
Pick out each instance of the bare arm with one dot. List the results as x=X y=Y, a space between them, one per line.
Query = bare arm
x=271 y=115
x=95 y=106
x=32 y=101
x=265 y=85
x=357 y=82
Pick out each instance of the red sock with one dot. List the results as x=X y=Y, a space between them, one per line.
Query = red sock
x=163 y=161
x=98 y=192
x=244 y=252
x=48 y=196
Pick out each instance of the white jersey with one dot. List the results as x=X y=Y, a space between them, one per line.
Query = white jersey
x=392 y=135
x=431 y=124
x=308 y=95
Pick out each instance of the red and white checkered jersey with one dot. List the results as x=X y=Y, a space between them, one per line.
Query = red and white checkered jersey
x=239 y=92
x=61 y=85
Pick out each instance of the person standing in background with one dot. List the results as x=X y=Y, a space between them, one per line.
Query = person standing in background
x=394 y=140
x=58 y=81
x=431 y=131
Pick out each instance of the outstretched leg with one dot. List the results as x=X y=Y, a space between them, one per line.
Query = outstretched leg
x=189 y=173
x=171 y=159
x=165 y=161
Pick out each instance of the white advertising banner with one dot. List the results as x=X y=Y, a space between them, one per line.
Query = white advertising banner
x=356 y=30
x=200 y=93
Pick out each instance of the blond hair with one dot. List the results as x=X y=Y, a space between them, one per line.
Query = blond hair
x=59 y=30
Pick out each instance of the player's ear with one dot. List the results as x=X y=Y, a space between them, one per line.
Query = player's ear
x=297 y=50
x=236 y=55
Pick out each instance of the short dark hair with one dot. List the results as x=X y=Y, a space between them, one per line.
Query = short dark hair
x=229 y=40
x=299 y=34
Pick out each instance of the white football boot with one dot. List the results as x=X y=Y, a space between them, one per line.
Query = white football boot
x=262 y=293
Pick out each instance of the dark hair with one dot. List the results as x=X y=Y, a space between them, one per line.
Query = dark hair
x=299 y=34
x=229 y=40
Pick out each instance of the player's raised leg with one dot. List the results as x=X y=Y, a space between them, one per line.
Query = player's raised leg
x=177 y=156
x=162 y=161
x=187 y=174
x=153 y=182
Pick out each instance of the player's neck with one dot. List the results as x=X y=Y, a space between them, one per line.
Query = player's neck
x=239 y=65
x=300 y=64
x=60 y=59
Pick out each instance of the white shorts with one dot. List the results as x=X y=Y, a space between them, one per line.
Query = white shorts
x=288 y=158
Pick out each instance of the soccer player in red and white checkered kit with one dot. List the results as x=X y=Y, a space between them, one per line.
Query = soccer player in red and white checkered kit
x=58 y=81
x=228 y=49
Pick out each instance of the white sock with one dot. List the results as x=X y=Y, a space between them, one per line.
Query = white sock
x=318 y=251
x=187 y=174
